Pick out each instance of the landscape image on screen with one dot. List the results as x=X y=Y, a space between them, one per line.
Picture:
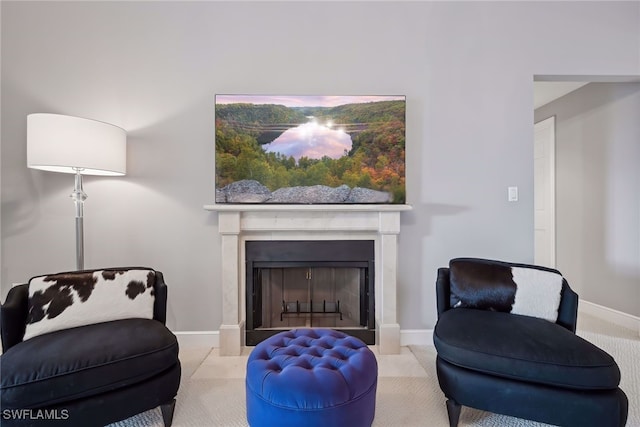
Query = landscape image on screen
x=310 y=149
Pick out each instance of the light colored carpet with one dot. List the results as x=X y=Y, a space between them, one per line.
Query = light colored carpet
x=212 y=388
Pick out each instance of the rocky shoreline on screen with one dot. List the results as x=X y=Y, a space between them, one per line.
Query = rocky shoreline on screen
x=251 y=191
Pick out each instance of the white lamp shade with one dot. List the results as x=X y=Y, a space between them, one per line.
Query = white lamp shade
x=59 y=143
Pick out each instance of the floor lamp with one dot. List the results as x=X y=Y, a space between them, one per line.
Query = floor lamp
x=58 y=143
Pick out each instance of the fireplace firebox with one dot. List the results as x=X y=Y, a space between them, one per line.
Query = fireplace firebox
x=297 y=284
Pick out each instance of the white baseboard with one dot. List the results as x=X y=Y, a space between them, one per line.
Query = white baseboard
x=187 y=339
x=192 y=339
x=416 y=337
x=610 y=315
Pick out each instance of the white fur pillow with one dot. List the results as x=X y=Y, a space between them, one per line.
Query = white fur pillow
x=66 y=300
x=506 y=287
x=538 y=293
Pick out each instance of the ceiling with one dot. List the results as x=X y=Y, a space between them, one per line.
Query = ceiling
x=545 y=92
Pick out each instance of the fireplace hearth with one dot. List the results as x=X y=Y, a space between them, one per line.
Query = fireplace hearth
x=297 y=284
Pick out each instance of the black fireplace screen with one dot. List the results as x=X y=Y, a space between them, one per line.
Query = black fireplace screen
x=296 y=284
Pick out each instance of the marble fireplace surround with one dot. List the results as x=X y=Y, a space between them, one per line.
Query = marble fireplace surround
x=239 y=223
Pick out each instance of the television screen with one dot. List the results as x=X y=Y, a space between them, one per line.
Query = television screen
x=310 y=149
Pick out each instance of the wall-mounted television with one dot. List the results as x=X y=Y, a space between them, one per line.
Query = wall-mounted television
x=310 y=149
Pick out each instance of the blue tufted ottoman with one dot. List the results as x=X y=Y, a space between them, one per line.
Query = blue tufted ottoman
x=311 y=377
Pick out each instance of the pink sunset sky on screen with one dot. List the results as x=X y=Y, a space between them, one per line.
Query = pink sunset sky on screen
x=303 y=100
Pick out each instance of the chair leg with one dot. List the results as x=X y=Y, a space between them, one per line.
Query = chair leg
x=453 y=410
x=167 y=412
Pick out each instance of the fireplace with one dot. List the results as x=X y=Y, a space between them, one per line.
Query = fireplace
x=239 y=224
x=295 y=284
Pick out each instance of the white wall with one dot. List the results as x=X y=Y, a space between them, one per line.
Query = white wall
x=153 y=68
x=598 y=192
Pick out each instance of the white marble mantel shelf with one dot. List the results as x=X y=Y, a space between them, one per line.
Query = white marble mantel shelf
x=268 y=207
x=238 y=223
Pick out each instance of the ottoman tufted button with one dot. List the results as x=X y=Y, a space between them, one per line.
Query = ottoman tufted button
x=311 y=377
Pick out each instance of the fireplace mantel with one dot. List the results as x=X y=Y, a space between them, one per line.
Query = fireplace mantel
x=267 y=207
x=238 y=223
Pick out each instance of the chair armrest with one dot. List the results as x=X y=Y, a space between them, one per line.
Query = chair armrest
x=568 y=309
x=443 y=291
x=13 y=316
x=160 y=303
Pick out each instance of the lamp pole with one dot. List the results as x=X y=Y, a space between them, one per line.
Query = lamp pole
x=79 y=196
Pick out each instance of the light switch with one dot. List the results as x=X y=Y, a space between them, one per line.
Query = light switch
x=513 y=194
